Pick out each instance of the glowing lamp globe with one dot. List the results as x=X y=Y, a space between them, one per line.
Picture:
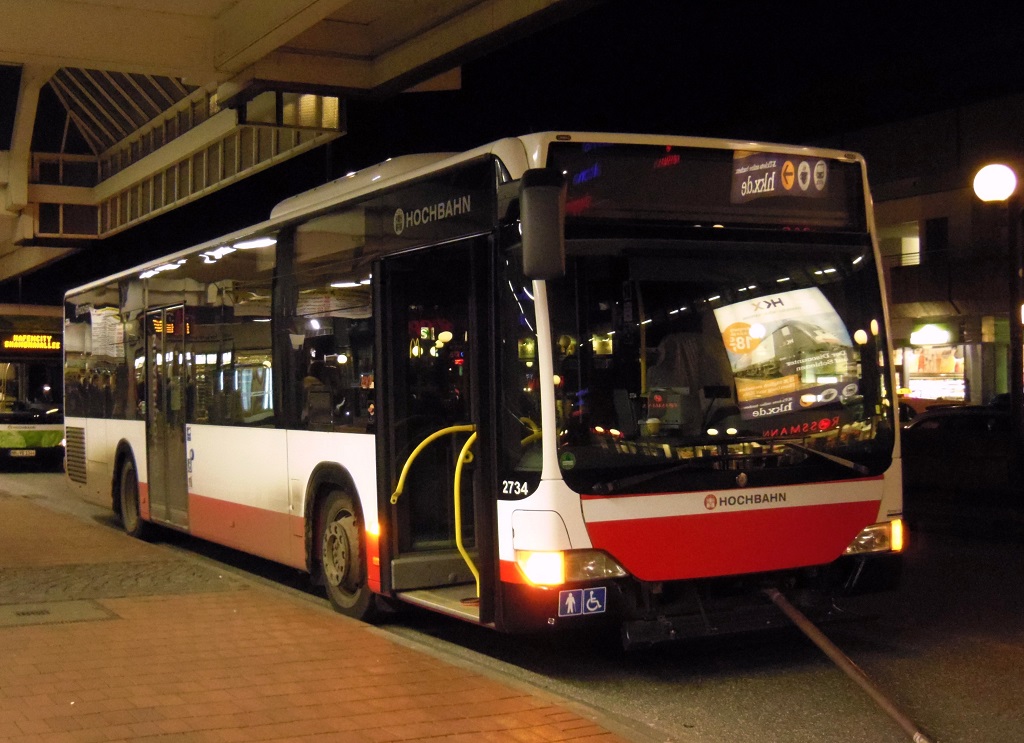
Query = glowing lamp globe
x=995 y=183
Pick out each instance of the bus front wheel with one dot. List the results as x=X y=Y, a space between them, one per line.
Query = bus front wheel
x=343 y=557
x=129 y=496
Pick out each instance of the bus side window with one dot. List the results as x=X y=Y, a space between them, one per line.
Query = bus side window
x=228 y=373
x=337 y=387
x=332 y=323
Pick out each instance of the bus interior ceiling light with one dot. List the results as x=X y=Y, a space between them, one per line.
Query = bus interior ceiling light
x=258 y=242
x=351 y=284
x=212 y=256
x=160 y=269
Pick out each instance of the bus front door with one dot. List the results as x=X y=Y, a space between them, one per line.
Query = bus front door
x=430 y=359
x=165 y=416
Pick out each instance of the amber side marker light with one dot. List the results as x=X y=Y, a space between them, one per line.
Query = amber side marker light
x=897 y=536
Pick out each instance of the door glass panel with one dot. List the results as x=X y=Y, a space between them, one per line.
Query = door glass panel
x=165 y=415
x=430 y=337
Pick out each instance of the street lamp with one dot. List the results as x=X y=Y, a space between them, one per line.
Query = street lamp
x=995 y=182
x=998 y=182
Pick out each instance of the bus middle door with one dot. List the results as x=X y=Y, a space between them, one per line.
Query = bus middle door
x=430 y=342
x=165 y=415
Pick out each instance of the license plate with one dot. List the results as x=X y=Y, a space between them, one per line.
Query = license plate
x=23 y=452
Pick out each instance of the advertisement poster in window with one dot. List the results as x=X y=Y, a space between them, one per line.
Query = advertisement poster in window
x=789 y=352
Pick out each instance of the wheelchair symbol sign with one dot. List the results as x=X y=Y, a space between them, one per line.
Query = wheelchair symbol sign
x=581 y=601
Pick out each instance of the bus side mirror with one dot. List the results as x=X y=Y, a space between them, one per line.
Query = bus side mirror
x=542 y=220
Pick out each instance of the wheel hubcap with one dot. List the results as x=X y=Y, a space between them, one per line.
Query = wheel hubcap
x=338 y=551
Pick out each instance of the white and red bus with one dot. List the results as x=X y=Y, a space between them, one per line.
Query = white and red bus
x=556 y=380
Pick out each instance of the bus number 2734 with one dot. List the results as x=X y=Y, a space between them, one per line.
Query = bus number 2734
x=514 y=487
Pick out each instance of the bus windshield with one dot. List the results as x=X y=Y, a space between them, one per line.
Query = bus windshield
x=30 y=392
x=712 y=364
x=31 y=368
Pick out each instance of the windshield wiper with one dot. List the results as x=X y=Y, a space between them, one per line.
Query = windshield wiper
x=606 y=488
x=849 y=464
x=611 y=486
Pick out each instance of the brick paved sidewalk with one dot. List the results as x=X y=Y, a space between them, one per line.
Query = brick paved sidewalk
x=105 y=638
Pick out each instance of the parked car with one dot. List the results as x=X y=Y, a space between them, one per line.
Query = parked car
x=959 y=463
x=907 y=413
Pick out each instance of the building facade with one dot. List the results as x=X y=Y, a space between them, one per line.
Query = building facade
x=948 y=259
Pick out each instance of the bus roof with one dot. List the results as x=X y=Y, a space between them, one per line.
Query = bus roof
x=517 y=154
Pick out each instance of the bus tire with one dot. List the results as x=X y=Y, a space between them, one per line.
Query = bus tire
x=128 y=495
x=343 y=557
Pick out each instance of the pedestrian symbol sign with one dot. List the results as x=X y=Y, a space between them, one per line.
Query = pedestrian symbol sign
x=580 y=601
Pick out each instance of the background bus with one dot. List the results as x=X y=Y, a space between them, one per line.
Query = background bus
x=549 y=382
x=31 y=387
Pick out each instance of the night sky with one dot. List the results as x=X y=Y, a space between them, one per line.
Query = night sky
x=764 y=71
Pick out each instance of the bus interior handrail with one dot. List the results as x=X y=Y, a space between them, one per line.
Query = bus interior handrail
x=465 y=455
x=450 y=430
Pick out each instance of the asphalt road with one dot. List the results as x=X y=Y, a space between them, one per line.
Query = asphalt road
x=947 y=649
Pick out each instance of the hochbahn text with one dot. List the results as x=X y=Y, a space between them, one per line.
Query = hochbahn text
x=557 y=381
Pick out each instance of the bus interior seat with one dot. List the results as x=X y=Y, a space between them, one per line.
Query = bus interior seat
x=691 y=383
x=319 y=408
x=625 y=414
x=672 y=383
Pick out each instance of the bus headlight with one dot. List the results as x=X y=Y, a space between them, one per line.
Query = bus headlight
x=885 y=537
x=556 y=568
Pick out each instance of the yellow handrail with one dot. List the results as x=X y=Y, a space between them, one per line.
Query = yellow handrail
x=469 y=428
x=535 y=432
x=464 y=456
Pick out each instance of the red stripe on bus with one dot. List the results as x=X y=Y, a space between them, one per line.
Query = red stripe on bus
x=144 y=501
x=869 y=478
x=255 y=530
x=705 y=545
x=373 y=562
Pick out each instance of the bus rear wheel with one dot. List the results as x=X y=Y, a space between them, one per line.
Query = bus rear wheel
x=343 y=557
x=128 y=494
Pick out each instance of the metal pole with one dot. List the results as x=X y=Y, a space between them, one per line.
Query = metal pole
x=848 y=666
x=1016 y=360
